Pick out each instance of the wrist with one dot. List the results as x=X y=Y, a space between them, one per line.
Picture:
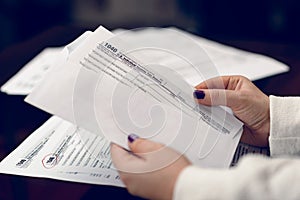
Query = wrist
x=266 y=122
x=177 y=180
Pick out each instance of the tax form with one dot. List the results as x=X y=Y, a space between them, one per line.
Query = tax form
x=228 y=61
x=112 y=88
x=56 y=150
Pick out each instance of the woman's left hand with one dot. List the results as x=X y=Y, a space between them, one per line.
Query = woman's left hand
x=150 y=170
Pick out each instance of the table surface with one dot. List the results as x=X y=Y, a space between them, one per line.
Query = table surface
x=19 y=119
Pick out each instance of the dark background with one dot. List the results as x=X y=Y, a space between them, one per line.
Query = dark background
x=271 y=20
x=270 y=27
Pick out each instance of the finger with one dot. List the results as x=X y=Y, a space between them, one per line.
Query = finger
x=214 y=97
x=155 y=155
x=123 y=160
x=222 y=82
x=139 y=145
x=214 y=83
x=118 y=154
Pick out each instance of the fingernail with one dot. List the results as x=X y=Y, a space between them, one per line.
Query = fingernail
x=132 y=137
x=199 y=94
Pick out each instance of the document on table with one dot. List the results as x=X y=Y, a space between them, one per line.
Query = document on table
x=34 y=71
x=57 y=150
x=227 y=60
x=110 y=92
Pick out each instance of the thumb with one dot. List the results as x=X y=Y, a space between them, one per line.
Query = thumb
x=216 y=97
x=139 y=145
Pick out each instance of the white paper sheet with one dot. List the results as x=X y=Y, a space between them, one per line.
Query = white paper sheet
x=33 y=72
x=57 y=150
x=109 y=93
x=228 y=61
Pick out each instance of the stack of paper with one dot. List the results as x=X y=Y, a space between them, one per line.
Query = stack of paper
x=227 y=60
x=140 y=82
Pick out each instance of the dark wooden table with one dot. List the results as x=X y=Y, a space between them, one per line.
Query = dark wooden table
x=19 y=119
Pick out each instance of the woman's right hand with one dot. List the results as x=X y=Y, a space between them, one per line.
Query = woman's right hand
x=247 y=102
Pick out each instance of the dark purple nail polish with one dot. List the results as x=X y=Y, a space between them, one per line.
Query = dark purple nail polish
x=132 y=137
x=199 y=94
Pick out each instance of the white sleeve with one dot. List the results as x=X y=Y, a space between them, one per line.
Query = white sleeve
x=255 y=177
x=284 y=126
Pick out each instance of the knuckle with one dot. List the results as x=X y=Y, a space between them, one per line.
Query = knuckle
x=214 y=96
x=243 y=96
x=218 y=97
x=241 y=77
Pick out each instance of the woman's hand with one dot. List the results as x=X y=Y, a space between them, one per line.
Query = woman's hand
x=247 y=102
x=150 y=170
